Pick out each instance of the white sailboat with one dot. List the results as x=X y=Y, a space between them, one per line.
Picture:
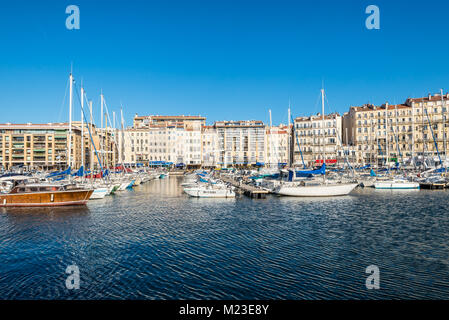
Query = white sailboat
x=315 y=188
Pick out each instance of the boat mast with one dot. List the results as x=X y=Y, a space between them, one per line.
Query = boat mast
x=423 y=140
x=271 y=138
x=122 y=143
x=82 y=128
x=387 y=149
x=324 y=144
x=444 y=124
x=114 y=131
x=101 y=126
x=92 y=142
x=70 y=121
x=413 y=135
x=290 y=151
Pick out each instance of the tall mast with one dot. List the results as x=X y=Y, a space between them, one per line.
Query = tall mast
x=271 y=140
x=122 y=143
x=92 y=142
x=70 y=120
x=114 y=160
x=386 y=133
x=444 y=123
x=413 y=134
x=322 y=117
x=82 y=128
x=101 y=127
x=396 y=134
x=290 y=148
x=423 y=140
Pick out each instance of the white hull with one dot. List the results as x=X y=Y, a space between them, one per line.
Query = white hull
x=367 y=183
x=325 y=190
x=396 y=185
x=123 y=186
x=209 y=193
x=99 y=193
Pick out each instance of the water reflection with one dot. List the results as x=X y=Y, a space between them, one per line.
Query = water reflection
x=155 y=242
x=44 y=213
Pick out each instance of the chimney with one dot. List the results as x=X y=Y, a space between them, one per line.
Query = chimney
x=430 y=96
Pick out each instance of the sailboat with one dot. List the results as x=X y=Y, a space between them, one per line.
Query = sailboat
x=395 y=182
x=314 y=187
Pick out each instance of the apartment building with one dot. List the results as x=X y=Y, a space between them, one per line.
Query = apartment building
x=210 y=147
x=169 y=142
x=42 y=146
x=430 y=126
x=241 y=143
x=315 y=138
x=378 y=131
x=277 y=144
x=398 y=133
x=141 y=122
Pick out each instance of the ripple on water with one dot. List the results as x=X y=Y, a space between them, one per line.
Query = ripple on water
x=156 y=243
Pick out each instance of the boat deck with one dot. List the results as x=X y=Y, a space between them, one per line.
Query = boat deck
x=247 y=190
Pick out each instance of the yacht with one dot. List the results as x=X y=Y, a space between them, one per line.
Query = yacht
x=209 y=191
x=396 y=184
x=314 y=189
x=45 y=195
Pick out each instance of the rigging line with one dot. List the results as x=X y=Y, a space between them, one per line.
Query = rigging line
x=107 y=112
x=88 y=104
x=317 y=101
x=340 y=139
x=63 y=100
x=90 y=133
x=115 y=136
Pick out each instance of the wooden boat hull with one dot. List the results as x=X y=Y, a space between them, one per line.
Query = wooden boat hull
x=46 y=199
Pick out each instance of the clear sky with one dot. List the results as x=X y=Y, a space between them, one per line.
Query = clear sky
x=223 y=59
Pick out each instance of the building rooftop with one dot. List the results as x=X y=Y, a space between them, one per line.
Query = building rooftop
x=435 y=97
x=176 y=117
x=370 y=107
x=318 y=117
x=60 y=125
x=240 y=123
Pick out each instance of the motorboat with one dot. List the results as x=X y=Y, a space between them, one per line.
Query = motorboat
x=45 y=195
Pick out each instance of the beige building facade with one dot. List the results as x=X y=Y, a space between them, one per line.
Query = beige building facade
x=316 y=138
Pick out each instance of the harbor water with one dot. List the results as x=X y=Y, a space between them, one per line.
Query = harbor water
x=154 y=242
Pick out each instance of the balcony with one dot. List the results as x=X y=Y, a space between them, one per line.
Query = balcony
x=39 y=139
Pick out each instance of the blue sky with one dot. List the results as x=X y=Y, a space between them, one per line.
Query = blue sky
x=226 y=60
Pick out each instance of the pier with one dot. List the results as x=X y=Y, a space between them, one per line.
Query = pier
x=247 y=190
x=432 y=186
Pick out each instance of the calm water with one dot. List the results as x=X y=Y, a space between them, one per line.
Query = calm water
x=156 y=243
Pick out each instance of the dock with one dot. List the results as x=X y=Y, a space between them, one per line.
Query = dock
x=247 y=190
x=432 y=186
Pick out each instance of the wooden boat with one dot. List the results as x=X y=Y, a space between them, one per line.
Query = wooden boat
x=40 y=195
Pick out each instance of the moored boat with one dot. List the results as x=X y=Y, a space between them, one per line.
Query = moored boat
x=42 y=195
x=396 y=184
x=314 y=189
x=99 y=193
